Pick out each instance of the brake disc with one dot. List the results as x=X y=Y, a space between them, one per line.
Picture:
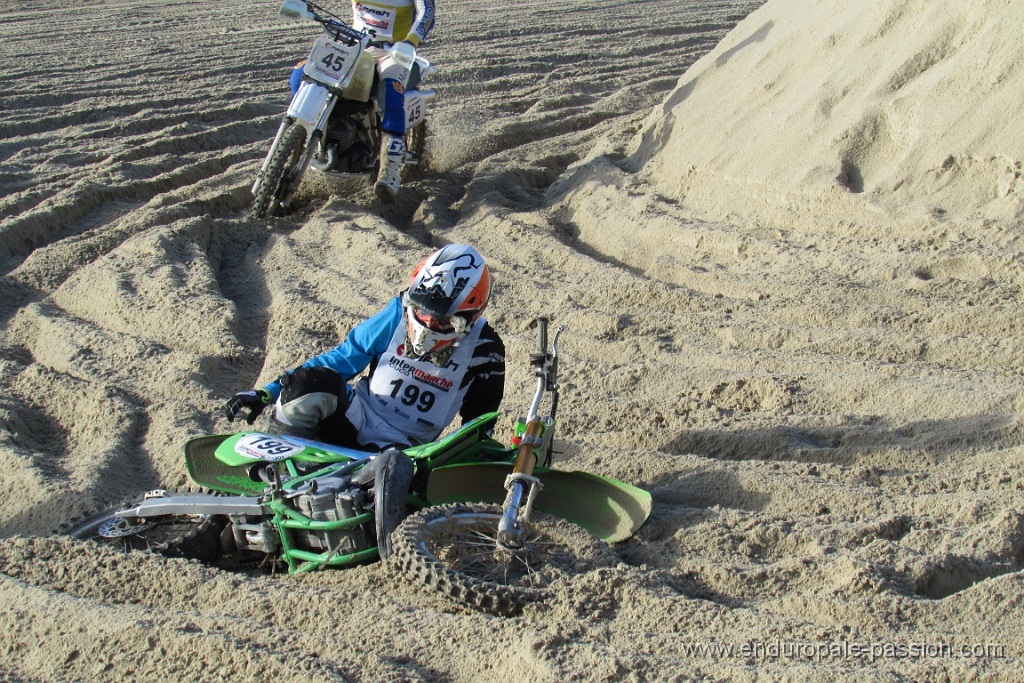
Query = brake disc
x=117 y=528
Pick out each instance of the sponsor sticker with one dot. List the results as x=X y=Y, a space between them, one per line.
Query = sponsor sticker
x=266 y=447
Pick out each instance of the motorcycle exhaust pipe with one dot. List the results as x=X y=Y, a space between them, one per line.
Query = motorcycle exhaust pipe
x=322 y=166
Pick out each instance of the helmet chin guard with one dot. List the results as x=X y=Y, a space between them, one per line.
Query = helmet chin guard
x=448 y=291
x=421 y=340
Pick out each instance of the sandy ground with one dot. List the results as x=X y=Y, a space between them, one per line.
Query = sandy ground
x=786 y=243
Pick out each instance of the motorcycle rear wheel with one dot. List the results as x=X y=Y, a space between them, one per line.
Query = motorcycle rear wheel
x=279 y=179
x=453 y=549
x=415 y=142
x=193 y=537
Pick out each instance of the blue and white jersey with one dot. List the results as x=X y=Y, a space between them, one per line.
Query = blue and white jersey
x=411 y=400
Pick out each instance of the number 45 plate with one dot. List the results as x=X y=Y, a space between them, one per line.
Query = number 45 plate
x=332 y=62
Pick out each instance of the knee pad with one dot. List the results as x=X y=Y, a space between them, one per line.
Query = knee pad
x=308 y=396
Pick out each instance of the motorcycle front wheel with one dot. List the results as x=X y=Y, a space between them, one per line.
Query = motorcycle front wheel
x=454 y=549
x=280 y=177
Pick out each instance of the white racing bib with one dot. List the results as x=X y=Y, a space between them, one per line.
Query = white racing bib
x=377 y=20
x=415 y=396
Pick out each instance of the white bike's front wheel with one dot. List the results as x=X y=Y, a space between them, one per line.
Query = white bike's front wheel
x=280 y=180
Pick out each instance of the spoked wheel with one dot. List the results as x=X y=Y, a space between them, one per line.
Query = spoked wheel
x=280 y=180
x=194 y=537
x=453 y=548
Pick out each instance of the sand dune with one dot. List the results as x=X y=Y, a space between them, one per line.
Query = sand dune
x=785 y=240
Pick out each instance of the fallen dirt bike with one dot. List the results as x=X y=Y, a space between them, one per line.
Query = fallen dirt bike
x=491 y=528
x=333 y=122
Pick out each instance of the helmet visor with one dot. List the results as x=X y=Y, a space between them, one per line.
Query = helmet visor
x=439 y=323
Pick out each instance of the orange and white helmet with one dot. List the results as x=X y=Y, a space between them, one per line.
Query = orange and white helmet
x=448 y=291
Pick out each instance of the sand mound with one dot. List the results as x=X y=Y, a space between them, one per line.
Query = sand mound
x=834 y=112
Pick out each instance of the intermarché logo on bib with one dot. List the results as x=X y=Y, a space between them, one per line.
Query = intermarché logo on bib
x=409 y=370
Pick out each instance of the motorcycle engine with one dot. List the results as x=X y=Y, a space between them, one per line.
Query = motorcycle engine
x=342 y=149
x=342 y=133
x=334 y=499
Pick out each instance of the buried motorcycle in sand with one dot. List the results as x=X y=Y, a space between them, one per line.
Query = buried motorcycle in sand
x=467 y=515
x=334 y=120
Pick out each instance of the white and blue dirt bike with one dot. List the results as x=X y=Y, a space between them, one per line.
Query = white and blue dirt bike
x=467 y=515
x=334 y=120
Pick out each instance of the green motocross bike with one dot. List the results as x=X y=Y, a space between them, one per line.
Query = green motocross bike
x=467 y=515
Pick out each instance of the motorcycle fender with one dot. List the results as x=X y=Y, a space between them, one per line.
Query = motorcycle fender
x=309 y=103
x=608 y=508
x=416 y=107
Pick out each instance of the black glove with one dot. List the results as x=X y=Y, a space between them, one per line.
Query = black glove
x=255 y=401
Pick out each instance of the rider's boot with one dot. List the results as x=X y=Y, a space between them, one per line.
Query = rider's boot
x=392 y=157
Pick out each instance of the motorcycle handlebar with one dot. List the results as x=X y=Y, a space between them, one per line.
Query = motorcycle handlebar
x=340 y=30
x=542 y=336
x=330 y=22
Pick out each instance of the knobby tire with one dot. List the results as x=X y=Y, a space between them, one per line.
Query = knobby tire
x=190 y=536
x=415 y=142
x=453 y=549
x=279 y=172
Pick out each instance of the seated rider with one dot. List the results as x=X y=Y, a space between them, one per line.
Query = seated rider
x=389 y=22
x=430 y=355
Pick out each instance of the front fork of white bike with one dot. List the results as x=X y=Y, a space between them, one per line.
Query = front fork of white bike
x=311 y=108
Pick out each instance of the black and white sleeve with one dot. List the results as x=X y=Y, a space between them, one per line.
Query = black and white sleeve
x=486 y=376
